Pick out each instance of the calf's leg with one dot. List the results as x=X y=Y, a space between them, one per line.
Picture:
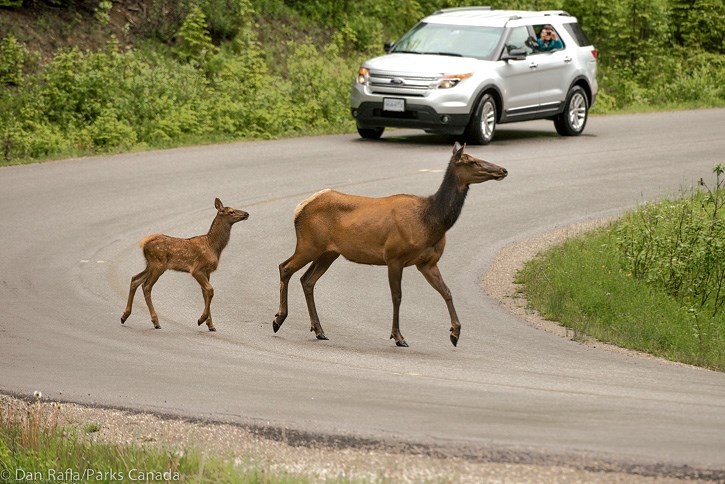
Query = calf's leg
x=207 y=291
x=148 y=284
x=136 y=281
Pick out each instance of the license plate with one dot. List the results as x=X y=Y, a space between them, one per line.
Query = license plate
x=393 y=104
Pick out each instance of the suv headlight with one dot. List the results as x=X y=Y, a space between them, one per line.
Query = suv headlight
x=363 y=75
x=451 y=80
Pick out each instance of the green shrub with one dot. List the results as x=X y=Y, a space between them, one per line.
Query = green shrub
x=13 y=56
x=194 y=41
x=211 y=69
x=679 y=246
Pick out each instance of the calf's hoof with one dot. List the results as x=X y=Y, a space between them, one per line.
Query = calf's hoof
x=454 y=340
x=212 y=328
x=157 y=326
x=401 y=343
x=322 y=336
x=276 y=325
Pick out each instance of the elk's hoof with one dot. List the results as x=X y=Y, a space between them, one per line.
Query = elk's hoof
x=322 y=337
x=200 y=322
x=212 y=329
x=157 y=326
x=123 y=320
x=275 y=326
x=454 y=340
x=401 y=343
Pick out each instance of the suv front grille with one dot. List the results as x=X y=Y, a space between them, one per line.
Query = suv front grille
x=387 y=83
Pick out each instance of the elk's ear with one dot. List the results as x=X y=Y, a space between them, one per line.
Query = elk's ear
x=457 y=151
x=218 y=204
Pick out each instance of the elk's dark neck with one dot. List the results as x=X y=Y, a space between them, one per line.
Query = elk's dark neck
x=219 y=234
x=446 y=204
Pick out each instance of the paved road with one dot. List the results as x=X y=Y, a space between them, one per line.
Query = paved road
x=70 y=230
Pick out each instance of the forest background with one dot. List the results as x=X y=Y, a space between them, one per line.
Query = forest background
x=82 y=77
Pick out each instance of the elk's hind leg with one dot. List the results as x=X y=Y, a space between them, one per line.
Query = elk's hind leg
x=136 y=281
x=309 y=279
x=286 y=270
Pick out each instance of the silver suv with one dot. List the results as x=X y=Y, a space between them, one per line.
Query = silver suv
x=462 y=71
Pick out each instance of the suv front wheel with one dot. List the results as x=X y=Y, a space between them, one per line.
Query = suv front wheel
x=576 y=111
x=483 y=122
x=370 y=133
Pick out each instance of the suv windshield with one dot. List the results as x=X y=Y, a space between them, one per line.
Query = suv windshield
x=455 y=40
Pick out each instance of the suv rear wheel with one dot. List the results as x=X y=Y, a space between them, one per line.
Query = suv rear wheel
x=576 y=111
x=483 y=122
x=370 y=133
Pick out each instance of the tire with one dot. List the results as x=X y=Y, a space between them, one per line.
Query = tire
x=572 y=121
x=482 y=127
x=370 y=133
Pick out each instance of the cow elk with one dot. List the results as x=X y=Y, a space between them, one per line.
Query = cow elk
x=198 y=256
x=396 y=231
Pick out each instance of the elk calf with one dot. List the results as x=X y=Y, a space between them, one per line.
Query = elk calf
x=396 y=231
x=198 y=256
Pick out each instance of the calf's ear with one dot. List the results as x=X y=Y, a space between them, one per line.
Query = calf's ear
x=218 y=204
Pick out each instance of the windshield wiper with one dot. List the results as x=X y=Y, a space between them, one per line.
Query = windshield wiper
x=452 y=54
x=405 y=52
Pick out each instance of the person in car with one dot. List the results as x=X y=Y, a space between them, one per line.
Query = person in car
x=548 y=40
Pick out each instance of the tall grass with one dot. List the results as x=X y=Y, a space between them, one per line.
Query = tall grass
x=34 y=446
x=654 y=281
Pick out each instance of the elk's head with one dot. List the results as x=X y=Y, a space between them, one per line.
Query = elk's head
x=470 y=169
x=233 y=215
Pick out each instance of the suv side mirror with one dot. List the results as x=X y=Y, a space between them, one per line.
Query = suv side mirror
x=388 y=46
x=514 y=54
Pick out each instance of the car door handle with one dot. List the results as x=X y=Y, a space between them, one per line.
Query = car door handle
x=568 y=59
x=533 y=65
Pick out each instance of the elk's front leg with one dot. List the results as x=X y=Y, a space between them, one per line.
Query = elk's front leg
x=395 y=276
x=434 y=278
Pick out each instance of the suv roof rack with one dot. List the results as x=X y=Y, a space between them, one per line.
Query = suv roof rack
x=462 y=9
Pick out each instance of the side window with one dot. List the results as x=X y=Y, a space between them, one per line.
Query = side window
x=547 y=39
x=518 y=40
x=577 y=34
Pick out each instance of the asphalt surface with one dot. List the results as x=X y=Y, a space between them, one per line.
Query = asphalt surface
x=70 y=231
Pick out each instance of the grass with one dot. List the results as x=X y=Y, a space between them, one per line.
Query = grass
x=584 y=285
x=35 y=447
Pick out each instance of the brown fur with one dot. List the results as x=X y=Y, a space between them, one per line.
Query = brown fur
x=397 y=231
x=198 y=256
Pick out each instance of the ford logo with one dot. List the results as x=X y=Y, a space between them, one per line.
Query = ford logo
x=397 y=81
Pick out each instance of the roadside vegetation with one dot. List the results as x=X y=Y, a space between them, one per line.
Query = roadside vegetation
x=653 y=281
x=36 y=447
x=92 y=76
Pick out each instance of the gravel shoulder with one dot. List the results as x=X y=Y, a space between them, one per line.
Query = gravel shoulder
x=280 y=451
